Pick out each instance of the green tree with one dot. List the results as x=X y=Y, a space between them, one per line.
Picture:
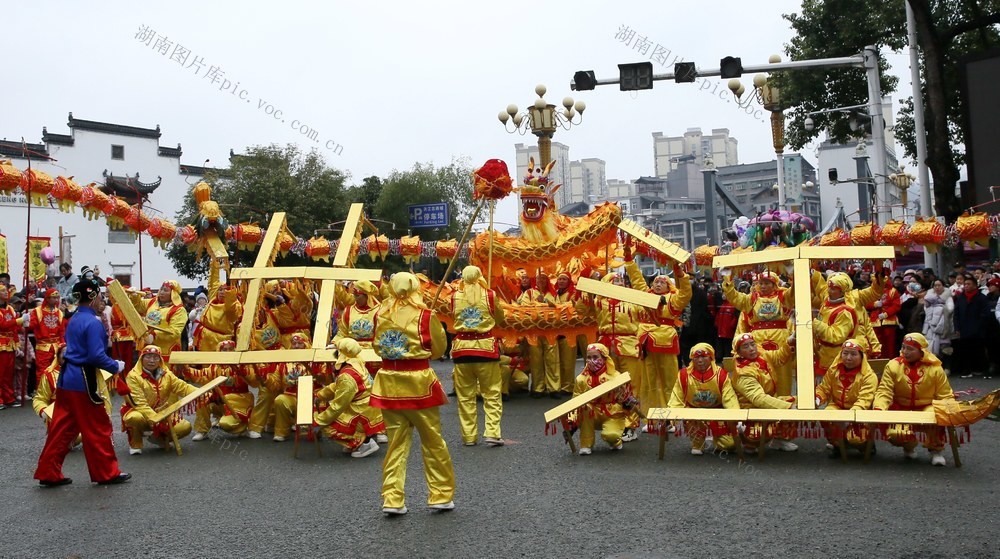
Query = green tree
x=265 y=180
x=424 y=184
x=367 y=193
x=947 y=30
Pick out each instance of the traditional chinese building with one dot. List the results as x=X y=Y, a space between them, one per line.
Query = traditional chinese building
x=127 y=161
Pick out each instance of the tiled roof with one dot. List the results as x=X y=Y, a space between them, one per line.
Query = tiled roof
x=110 y=128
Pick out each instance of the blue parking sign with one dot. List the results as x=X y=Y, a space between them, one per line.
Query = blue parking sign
x=429 y=215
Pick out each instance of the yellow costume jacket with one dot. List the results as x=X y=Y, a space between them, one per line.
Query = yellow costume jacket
x=911 y=387
x=617 y=323
x=711 y=389
x=657 y=331
x=348 y=398
x=147 y=395
x=407 y=338
x=858 y=300
x=766 y=316
x=236 y=389
x=220 y=317
x=753 y=379
x=605 y=407
x=474 y=325
x=848 y=390
x=357 y=323
x=172 y=319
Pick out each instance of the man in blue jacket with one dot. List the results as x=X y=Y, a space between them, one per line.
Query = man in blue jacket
x=79 y=408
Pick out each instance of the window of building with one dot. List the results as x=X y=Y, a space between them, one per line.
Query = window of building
x=120 y=235
x=117 y=152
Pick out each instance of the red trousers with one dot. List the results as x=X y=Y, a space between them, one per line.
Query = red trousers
x=42 y=361
x=7 y=377
x=887 y=337
x=124 y=351
x=75 y=413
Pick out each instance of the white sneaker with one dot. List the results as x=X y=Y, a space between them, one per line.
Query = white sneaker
x=629 y=435
x=584 y=451
x=937 y=459
x=278 y=439
x=365 y=449
x=829 y=446
x=618 y=446
x=199 y=437
x=450 y=505
x=392 y=511
x=783 y=445
x=134 y=451
x=909 y=454
x=470 y=443
x=381 y=438
x=253 y=434
x=671 y=429
x=697 y=451
x=493 y=441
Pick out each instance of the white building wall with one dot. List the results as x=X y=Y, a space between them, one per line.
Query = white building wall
x=86 y=161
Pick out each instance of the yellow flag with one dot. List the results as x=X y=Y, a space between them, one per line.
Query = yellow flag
x=3 y=255
x=36 y=268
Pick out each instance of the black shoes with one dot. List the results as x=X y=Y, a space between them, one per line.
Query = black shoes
x=56 y=483
x=119 y=479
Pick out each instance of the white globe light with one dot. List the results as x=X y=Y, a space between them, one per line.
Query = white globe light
x=580 y=107
x=518 y=120
x=759 y=80
x=503 y=116
x=734 y=84
x=512 y=109
x=568 y=102
x=540 y=103
x=540 y=90
x=774 y=58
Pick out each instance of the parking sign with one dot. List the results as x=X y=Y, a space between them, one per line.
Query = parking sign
x=429 y=215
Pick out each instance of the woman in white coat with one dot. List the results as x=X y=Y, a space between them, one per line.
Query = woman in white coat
x=938 y=310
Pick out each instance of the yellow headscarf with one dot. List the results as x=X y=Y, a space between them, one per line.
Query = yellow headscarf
x=919 y=341
x=841 y=280
x=348 y=351
x=855 y=344
x=369 y=289
x=702 y=347
x=405 y=288
x=474 y=285
x=175 y=291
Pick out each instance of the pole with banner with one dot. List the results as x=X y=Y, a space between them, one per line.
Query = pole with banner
x=35 y=268
x=3 y=255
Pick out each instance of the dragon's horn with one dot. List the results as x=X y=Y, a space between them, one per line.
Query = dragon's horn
x=548 y=168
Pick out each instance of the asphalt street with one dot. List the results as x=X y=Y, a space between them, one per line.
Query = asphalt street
x=235 y=497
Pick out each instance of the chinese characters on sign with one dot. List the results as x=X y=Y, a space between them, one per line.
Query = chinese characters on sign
x=429 y=215
x=216 y=76
x=661 y=55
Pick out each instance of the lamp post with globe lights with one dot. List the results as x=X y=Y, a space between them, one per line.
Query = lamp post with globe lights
x=768 y=96
x=543 y=119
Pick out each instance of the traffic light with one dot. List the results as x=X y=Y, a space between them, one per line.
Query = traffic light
x=685 y=72
x=860 y=121
x=731 y=67
x=633 y=77
x=584 y=80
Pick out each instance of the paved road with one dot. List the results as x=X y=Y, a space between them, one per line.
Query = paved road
x=242 y=498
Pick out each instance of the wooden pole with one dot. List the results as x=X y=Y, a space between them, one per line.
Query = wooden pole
x=489 y=274
x=451 y=265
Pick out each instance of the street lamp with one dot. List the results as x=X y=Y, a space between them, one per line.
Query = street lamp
x=542 y=119
x=770 y=98
x=902 y=180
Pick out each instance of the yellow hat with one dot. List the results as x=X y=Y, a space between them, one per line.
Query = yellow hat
x=175 y=291
x=841 y=280
x=347 y=349
x=702 y=349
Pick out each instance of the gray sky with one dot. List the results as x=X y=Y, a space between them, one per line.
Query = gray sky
x=391 y=82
